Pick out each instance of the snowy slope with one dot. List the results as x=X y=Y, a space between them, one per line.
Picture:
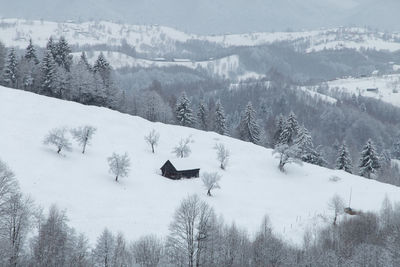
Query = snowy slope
x=223 y=67
x=388 y=87
x=16 y=32
x=144 y=202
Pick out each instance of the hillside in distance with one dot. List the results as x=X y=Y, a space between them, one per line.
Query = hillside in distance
x=221 y=16
x=161 y=39
x=144 y=202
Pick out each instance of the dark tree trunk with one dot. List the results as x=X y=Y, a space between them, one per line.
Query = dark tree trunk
x=152 y=148
x=59 y=150
x=116 y=178
x=209 y=192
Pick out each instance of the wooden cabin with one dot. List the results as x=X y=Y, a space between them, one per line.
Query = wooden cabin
x=168 y=170
x=373 y=90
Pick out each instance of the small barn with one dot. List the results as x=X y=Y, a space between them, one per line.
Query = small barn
x=169 y=170
x=373 y=90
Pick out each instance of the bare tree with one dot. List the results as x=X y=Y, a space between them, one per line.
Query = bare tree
x=286 y=154
x=222 y=155
x=120 y=254
x=52 y=245
x=268 y=249
x=15 y=225
x=8 y=186
x=189 y=232
x=182 y=150
x=336 y=204
x=57 y=138
x=210 y=181
x=148 y=251
x=152 y=139
x=119 y=165
x=83 y=135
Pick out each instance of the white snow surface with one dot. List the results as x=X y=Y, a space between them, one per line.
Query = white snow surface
x=144 y=202
x=16 y=32
x=388 y=87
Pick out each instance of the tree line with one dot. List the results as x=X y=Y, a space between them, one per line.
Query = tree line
x=196 y=237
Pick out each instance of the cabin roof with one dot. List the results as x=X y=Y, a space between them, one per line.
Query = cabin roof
x=183 y=164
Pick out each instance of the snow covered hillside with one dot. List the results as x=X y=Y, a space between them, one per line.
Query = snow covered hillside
x=385 y=87
x=144 y=202
x=16 y=32
x=222 y=67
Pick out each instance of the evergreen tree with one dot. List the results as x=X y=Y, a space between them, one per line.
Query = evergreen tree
x=103 y=68
x=315 y=157
x=51 y=46
x=303 y=141
x=290 y=130
x=62 y=84
x=108 y=93
x=343 y=161
x=183 y=112
x=396 y=148
x=249 y=130
x=369 y=161
x=10 y=75
x=385 y=159
x=279 y=125
x=220 y=120
x=202 y=117
x=305 y=146
x=30 y=53
x=83 y=60
x=62 y=54
x=82 y=84
x=49 y=73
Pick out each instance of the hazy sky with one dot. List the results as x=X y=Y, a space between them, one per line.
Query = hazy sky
x=216 y=16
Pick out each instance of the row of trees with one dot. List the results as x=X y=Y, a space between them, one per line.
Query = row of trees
x=56 y=75
x=196 y=237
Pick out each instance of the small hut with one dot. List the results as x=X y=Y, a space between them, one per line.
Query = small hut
x=168 y=170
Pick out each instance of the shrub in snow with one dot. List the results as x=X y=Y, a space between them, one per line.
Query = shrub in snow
x=83 y=135
x=286 y=154
x=334 y=179
x=182 y=150
x=57 y=138
x=210 y=181
x=152 y=139
x=336 y=204
x=119 y=165
x=222 y=155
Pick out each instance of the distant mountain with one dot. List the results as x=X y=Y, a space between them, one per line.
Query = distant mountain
x=209 y=16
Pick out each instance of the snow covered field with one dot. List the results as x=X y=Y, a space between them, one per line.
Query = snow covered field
x=388 y=87
x=16 y=32
x=144 y=202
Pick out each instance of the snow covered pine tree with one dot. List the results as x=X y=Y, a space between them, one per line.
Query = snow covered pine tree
x=369 y=162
